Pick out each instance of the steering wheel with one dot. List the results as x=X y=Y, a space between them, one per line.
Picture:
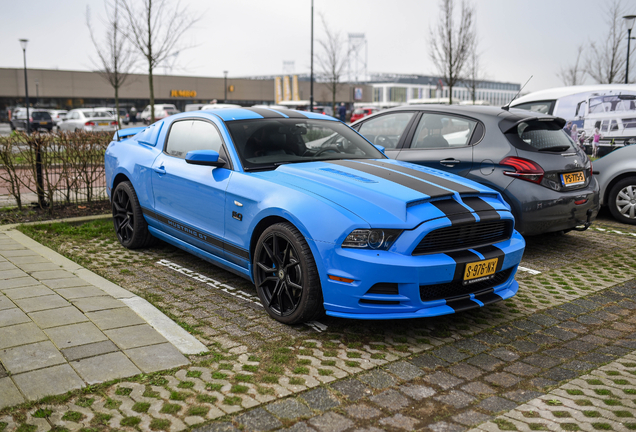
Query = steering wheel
x=384 y=141
x=326 y=149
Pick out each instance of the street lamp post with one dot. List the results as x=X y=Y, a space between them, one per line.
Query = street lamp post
x=311 y=75
x=225 y=85
x=630 y=25
x=23 y=44
x=37 y=92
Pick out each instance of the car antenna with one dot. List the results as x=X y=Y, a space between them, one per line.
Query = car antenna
x=507 y=106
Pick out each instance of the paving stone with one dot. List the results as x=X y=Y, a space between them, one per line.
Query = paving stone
x=58 y=317
x=527 y=325
x=28 y=259
x=585 y=304
x=450 y=354
x=561 y=353
x=353 y=389
x=9 y=394
x=444 y=380
x=540 y=382
x=427 y=361
x=298 y=427
x=399 y=421
x=572 y=308
x=34 y=304
x=50 y=274
x=92 y=304
x=29 y=357
x=378 y=379
x=30 y=291
x=541 y=361
x=578 y=365
x=542 y=339
x=589 y=320
x=18 y=283
x=457 y=399
x=471 y=418
x=12 y=273
x=320 y=399
x=390 y=399
x=5 y=303
x=478 y=388
x=510 y=332
x=331 y=422
x=39 y=266
x=471 y=345
x=491 y=338
x=258 y=420
x=504 y=354
x=75 y=334
x=417 y=392
x=486 y=362
x=89 y=350
x=522 y=369
x=216 y=427
x=596 y=340
x=134 y=336
x=79 y=292
x=496 y=404
x=502 y=379
x=50 y=381
x=559 y=374
x=559 y=314
x=522 y=396
x=579 y=346
x=154 y=358
x=596 y=358
x=20 y=334
x=443 y=426
x=64 y=283
x=405 y=370
x=362 y=411
x=573 y=326
x=105 y=367
x=525 y=346
x=614 y=350
x=115 y=318
x=13 y=316
x=465 y=371
x=289 y=409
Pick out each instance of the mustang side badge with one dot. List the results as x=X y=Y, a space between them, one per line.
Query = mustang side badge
x=237 y=216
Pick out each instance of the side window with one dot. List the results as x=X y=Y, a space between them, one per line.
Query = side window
x=441 y=130
x=386 y=130
x=75 y=115
x=188 y=135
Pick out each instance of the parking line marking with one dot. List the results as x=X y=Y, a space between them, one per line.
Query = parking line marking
x=318 y=326
x=613 y=231
x=527 y=270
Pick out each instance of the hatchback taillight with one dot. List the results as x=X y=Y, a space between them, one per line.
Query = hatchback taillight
x=113 y=123
x=524 y=169
x=89 y=123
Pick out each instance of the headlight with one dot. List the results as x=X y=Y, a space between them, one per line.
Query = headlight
x=381 y=239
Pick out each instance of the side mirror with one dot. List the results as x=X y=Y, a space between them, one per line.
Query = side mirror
x=379 y=147
x=204 y=157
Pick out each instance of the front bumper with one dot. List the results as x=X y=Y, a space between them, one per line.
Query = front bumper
x=409 y=274
x=540 y=210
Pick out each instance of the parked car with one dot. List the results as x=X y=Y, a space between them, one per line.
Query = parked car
x=217 y=106
x=39 y=119
x=123 y=113
x=251 y=192
x=193 y=107
x=87 y=119
x=57 y=116
x=359 y=113
x=541 y=173
x=161 y=111
x=616 y=175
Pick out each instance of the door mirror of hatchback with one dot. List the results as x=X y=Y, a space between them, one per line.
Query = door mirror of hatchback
x=204 y=157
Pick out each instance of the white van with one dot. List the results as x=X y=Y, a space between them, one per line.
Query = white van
x=609 y=107
x=161 y=111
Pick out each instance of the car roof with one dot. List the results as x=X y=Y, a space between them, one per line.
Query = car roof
x=559 y=92
x=232 y=114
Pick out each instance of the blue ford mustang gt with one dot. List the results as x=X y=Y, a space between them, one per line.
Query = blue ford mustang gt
x=311 y=212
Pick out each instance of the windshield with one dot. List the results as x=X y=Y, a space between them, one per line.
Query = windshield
x=267 y=143
x=612 y=103
x=98 y=114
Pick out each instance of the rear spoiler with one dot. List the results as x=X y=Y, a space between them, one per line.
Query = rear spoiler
x=124 y=133
x=508 y=124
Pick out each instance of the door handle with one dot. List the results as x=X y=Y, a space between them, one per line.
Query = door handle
x=159 y=170
x=449 y=162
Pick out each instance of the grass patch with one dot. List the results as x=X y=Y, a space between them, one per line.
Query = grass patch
x=297 y=381
x=84 y=402
x=232 y=400
x=141 y=407
x=160 y=424
x=123 y=391
x=250 y=368
x=213 y=386
x=194 y=374
x=271 y=379
x=505 y=425
x=169 y=408
x=42 y=413
x=570 y=427
x=237 y=388
x=186 y=384
x=198 y=410
x=218 y=375
x=101 y=419
x=206 y=398
x=73 y=416
x=130 y=421
x=178 y=396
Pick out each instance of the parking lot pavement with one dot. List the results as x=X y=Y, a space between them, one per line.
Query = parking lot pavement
x=575 y=312
x=63 y=327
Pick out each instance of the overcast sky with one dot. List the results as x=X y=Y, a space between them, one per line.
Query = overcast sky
x=253 y=37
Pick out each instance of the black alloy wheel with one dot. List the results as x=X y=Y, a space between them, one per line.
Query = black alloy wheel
x=130 y=226
x=622 y=201
x=286 y=276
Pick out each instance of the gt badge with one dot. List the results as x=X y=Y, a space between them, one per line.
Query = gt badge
x=237 y=216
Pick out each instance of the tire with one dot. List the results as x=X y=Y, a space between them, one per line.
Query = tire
x=622 y=201
x=286 y=276
x=128 y=219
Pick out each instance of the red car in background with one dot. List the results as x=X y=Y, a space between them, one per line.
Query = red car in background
x=359 y=113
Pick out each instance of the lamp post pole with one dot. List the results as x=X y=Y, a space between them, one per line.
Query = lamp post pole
x=630 y=25
x=37 y=92
x=311 y=74
x=23 y=44
x=225 y=85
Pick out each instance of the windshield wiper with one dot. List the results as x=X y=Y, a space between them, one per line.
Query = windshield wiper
x=555 y=148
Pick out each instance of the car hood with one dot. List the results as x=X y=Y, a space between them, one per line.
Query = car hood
x=385 y=193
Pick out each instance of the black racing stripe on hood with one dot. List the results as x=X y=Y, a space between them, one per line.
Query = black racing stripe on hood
x=461 y=258
x=292 y=114
x=266 y=113
x=457 y=213
x=440 y=181
x=486 y=211
x=401 y=179
x=490 y=252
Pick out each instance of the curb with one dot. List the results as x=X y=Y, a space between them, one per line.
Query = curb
x=75 y=219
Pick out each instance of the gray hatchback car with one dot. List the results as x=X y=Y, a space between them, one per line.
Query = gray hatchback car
x=543 y=175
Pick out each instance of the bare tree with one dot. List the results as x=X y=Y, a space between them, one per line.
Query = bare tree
x=574 y=74
x=116 y=58
x=606 y=60
x=452 y=43
x=473 y=75
x=332 y=60
x=156 y=31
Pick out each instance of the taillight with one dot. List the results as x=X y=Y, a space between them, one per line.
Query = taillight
x=113 y=123
x=89 y=123
x=524 y=169
x=591 y=170
x=31 y=119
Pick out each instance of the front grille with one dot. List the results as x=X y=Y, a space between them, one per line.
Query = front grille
x=465 y=236
x=380 y=302
x=456 y=288
x=384 y=288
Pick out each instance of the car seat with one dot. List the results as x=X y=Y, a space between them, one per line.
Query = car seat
x=433 y=140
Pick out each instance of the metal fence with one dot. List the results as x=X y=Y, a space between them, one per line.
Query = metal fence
x=54 y=169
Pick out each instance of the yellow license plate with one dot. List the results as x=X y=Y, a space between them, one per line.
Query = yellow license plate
x=102 y=124
x=480 y=269
x=574 y=178
x=43 y=122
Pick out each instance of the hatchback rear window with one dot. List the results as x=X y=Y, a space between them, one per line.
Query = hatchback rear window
x=544 y=136
x=40 y=115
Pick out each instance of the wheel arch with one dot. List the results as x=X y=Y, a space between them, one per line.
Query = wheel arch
x=613 y=182
x=121 y=177
x=262 y=225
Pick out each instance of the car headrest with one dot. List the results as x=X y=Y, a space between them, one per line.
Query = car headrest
x=433 y=122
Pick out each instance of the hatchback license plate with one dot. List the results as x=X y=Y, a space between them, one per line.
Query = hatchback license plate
x=43 y=123
x=480 y=270
x=574 y=178
x=102 y=124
